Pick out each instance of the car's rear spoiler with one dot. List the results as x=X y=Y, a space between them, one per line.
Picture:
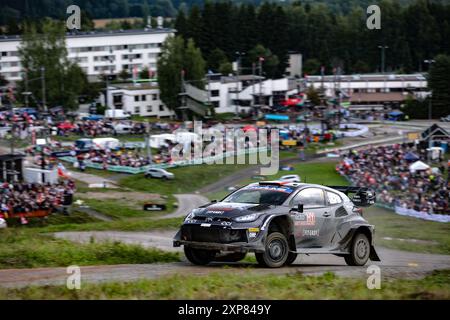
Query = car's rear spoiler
x=362 y=196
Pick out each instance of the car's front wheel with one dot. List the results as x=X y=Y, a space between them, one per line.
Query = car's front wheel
x=199 y=257
x=291 y=258
x=359 y=251
x=276 y=251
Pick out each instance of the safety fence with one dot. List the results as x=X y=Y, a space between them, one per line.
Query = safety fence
x=181 y=163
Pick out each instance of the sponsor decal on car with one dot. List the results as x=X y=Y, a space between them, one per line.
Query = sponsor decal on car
x=311 y=232
x=272 y=188
x=305 y=219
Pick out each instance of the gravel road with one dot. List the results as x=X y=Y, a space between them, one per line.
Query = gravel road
x=394 y=264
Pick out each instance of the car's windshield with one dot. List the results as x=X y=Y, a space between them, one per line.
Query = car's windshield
x=274 y=195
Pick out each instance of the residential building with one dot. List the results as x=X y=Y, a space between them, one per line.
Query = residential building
x=96 y=52
x=142 y=99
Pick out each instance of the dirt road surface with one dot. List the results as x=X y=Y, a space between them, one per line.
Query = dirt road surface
x=394 y=264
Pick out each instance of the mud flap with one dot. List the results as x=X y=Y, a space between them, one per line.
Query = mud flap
x=373 y=254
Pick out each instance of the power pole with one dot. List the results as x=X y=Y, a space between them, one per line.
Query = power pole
x=44 y=98
x=253 y=82
x=26 y=88
x=430 y=105
x=260 y=83
x=383 y=48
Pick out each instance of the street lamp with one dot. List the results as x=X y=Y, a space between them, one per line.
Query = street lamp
x=430 y=106
x=238 y=69
x=383 y=48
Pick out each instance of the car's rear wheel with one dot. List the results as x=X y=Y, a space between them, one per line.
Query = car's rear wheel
x=276 y=251
x=199 y=257
x=359 y=251
x=231 y=257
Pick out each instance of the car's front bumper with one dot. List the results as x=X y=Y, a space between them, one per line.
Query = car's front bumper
x=217 y=237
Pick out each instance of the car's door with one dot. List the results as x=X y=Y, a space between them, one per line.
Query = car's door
x=312 y=227
x=338 y=214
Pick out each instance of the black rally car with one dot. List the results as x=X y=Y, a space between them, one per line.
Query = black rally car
x=277 y=221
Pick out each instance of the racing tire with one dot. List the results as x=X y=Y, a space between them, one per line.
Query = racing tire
x=199 y=257
x=291 y=258
x=276 y=251
x=231 y=257
x=359 y=251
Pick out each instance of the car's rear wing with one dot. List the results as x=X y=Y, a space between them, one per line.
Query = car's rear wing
x=362 y=196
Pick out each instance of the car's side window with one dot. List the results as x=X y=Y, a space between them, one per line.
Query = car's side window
x=310 y=198
x=333 y=198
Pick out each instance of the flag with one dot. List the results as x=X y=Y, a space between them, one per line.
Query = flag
x=135 y=72
x=62 y=171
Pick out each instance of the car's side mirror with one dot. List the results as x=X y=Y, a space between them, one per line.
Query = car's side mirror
x=300 y=207
x=213 y=201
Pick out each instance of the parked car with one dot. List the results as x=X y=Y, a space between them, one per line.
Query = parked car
x=290 y=178
x=446 y=119
x=278 y=221
x=159 y=173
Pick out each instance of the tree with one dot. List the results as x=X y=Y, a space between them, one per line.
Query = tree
x=193 y=64
x=176 y=58
x=270 y=61
x=311 y=66
x=313 y=96
x=439 y=84
x=64 y=80
x=226 y=68
x=124 y=74
x=3 y=81
x=215 y=59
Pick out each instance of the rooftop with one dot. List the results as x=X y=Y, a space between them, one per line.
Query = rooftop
x=132 y=86
x=369 y=77
x=105 y=33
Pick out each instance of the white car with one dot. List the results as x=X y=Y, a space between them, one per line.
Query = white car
x=159 y=173
x=290 y=178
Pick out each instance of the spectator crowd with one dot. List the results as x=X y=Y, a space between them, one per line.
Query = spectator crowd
x=386 y=169
x=22 y=198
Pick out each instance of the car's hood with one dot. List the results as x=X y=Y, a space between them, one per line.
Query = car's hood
x=230 y=209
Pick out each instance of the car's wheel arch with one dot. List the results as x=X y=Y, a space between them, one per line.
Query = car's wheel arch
x=283 y=224
x=367 y=230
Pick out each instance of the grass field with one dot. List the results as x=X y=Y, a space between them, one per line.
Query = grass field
x=187 y=179
x=26 y=249
x=246 y=286
x=434 y=237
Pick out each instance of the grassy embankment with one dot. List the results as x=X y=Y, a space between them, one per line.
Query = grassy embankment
x=246 y=286
x=25 y=249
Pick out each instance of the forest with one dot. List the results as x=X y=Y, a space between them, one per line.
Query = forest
x=329 y=33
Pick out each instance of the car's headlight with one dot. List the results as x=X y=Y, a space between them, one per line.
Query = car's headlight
x=190 y=216
x=247 y=218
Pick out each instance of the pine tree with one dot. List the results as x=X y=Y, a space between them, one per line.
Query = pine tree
x=439 y=84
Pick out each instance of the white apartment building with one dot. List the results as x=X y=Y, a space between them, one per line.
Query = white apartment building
x=229 y=94
x=138 y=99
x=97 y=52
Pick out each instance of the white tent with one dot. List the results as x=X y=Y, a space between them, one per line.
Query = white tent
x=418 y=166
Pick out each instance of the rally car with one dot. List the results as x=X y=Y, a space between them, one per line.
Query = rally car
x=279 y=220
